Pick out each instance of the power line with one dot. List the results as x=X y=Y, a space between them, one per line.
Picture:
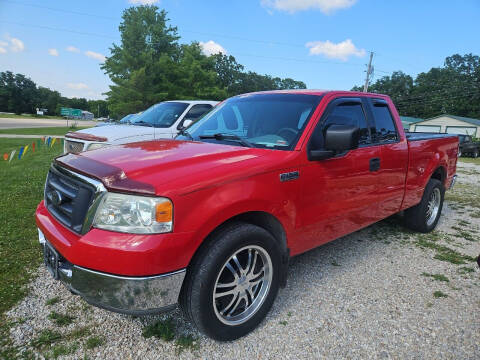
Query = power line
x=60 y=10
x=58 y=29
x=431 y=95
x=154 y=43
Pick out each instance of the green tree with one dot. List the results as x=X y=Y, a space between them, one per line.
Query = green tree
x=453 y=88
x=140 y=66
x=47 y=99
x=149 y=66
x=17 y=93
x=98 y=107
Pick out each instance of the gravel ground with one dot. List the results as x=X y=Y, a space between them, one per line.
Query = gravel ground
x=361 y=296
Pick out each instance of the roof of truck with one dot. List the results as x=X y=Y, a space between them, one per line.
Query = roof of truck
x=313 y=92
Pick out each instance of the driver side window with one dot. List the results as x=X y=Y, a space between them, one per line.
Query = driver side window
x=347 y=113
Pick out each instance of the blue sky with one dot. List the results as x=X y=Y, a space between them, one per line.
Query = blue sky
x=324 y=43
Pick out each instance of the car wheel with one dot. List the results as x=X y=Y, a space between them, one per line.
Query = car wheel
x=232 y=282
x=475 y=153
x=424 y=216
x=459 y=153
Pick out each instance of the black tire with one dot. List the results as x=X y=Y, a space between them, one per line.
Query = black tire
x=460 y=153
x=196 y=298
x=416 y=217
x=475 y=153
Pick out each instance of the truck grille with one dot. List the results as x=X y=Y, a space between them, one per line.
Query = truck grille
x=68 y=197
x=73 y=146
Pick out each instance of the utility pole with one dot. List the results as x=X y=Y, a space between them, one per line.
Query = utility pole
x=98 y=110
x=369 y=72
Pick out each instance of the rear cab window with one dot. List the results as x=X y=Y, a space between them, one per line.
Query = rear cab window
x=385 y=130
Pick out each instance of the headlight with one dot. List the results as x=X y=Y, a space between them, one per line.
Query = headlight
x=134 y=214
x=95 y=146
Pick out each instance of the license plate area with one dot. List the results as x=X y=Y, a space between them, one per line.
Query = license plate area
x=50 y=257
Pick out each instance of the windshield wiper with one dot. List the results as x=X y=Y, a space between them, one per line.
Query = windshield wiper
x=183 y=131
x=142 y=123
x=228 y=137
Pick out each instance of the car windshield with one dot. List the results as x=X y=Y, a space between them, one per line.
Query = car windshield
x=161 y=115
x=273 y=121
x=127 y=119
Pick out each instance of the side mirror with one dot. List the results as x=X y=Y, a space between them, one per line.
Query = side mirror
x=338 y=138
x=187 y=123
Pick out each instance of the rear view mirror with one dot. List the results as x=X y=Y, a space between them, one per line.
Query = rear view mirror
x=338 y=138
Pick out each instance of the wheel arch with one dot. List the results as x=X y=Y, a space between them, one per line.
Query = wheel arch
x=440 y=173
x=262 y=219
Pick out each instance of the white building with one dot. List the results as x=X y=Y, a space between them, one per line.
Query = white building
x=449 y=124
x=87 y=115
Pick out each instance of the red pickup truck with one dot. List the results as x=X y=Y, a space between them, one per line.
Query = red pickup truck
x=210 y=219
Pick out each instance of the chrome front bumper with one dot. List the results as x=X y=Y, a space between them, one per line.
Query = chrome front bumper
x=129 y=295
x=123 y=294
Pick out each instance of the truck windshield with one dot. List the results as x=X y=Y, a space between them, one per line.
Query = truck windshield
x=273 y=121
x=161 y=115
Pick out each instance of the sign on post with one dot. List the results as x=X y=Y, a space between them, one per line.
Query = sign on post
x=71 y=112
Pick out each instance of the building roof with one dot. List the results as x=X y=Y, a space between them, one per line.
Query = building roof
x=472 y=121
x=411 y=120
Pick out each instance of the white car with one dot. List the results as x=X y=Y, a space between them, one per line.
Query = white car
x=160 y=121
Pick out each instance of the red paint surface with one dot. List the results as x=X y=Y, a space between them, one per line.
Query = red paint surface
x=211 y=183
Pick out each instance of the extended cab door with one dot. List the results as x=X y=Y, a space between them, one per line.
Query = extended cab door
x=393 y=155
x=339 y=195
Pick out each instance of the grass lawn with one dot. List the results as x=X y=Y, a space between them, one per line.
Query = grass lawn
x=27 y=116
x=21 y=190
x=41 y=131
x=470 y=160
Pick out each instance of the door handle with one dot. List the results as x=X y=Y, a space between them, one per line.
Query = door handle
x=374 y=164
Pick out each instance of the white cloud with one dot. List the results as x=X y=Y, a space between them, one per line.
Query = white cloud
x=16 y=45
x=143 y=2
x=13 y=44
x=292 y=6
x=72 y=49
x=343 y=50
x=77 y=86
x=53 y=52
x=211 y=48
x=95 y=55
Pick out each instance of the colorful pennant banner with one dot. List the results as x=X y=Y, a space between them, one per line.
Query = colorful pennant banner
x=47 y=141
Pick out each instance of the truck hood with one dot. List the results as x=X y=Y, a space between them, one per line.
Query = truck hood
x=164 y=166
x=118 y=132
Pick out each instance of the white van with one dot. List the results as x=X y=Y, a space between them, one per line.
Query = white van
x=160 y=121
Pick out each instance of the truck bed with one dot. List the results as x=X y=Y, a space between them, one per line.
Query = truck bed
x=414 y=136
x=428 y=152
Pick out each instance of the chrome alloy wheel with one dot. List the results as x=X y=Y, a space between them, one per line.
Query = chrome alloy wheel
x=433 y=206
x=242 y=285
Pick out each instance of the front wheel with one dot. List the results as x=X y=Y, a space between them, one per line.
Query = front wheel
x=232 y=282
x=475 y=153
x=424 y=216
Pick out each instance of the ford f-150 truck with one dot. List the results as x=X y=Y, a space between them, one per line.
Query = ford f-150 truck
x=210 y=220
